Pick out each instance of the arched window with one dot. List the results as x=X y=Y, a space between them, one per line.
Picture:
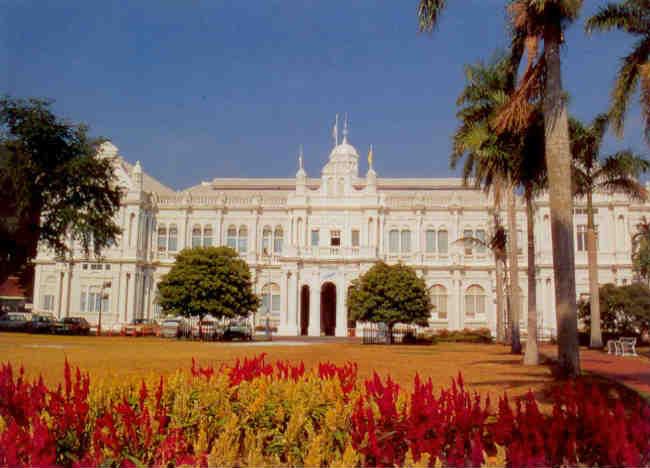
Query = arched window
x=406 y=241
x=207 y=236
x=481 y=247
x=266 y=240
x=277 y=240
x=231 y=237
x=172 y=244
x=443 y=241
x=162 y=238
x=439 y=300
x=242 y=240
x=430 y=241
x=474 y=301
x=393 y=241
x=270 y=303
x=196 y=236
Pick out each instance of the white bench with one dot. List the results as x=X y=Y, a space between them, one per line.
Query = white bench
x=624 y=346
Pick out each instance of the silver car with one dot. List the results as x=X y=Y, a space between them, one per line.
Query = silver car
x=172 y=327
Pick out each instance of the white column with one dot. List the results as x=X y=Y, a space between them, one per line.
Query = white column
x=292 y=323
x=314 y=307
x=341 y=313
x=284 y=296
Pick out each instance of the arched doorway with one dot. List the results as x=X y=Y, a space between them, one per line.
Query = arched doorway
x=304 y=310
x=328 y=309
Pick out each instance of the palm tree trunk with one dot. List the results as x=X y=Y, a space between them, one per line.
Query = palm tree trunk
x=596 y=340
x=558 y=162
x=499 y=297
x=513 y=260
x=531 y=355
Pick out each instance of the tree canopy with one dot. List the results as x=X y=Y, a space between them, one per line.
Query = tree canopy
x=208 y=280
x=53 y=188
x=623 y=309
x=390 y=294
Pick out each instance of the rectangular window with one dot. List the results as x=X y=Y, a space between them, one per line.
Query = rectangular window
x=315 y=237
x=406 y=241
x=481 y=247
x=243 y=244
x=393 y=241
x=468 y=235
x=48 y=301
x=443 y=243
x=430 y=240
x=277 y=244
x=335 y=238
x=581 y=238
x=355 y=238
x=82 y=307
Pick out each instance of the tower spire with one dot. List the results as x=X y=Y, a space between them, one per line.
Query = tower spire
x=300 y=159
x=345 y=129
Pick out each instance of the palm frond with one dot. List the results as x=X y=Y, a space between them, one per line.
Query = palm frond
x=627 y=80
x=429 y=13
x=624 y=16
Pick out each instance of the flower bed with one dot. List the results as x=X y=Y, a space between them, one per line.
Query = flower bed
x=256 y=413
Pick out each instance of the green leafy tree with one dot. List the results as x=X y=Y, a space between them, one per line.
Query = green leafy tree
x=53 y=188
x=641 y=250
x=624 y=310
x=533 y=23
x=632 y=17
x=389 y=294
x=592 y=172
x=208 y=280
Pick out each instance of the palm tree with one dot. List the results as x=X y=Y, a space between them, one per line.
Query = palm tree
x=532 y=22
x=633 y=17
x=489 y=161
x=615 y=173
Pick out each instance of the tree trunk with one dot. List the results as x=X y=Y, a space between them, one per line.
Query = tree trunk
x=596 y=340
x=558 y=162
x=513 y=260
x=499 y=296
x=498 y=266
x=531 y=355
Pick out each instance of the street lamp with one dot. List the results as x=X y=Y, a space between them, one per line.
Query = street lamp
x=102 y=296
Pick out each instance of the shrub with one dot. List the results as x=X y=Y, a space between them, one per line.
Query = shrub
x=481 y=335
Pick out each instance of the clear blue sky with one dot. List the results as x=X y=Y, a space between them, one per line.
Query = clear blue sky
x=202 y=89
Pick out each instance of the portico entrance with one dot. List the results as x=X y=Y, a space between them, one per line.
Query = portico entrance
x=328 y=309
x=304 y=310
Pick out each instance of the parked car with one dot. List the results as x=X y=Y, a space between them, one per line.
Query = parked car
x=140 y=327
x=210 y=329
x=72 y=326
x=173 y=327
x=42 y=323
x=14 y=321
x=238 y=331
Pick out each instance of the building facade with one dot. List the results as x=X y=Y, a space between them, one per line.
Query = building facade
x=306 y=239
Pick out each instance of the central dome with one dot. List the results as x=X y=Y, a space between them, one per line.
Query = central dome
x=344 y=151
x=343 y=160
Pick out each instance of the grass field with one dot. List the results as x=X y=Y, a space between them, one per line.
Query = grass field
x=486 y=368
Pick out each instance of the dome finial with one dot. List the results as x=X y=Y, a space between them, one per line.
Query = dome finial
x=300 y=159
x=345 y=129
x=335 y=131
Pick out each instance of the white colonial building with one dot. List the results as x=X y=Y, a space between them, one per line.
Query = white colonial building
x=306 y=238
